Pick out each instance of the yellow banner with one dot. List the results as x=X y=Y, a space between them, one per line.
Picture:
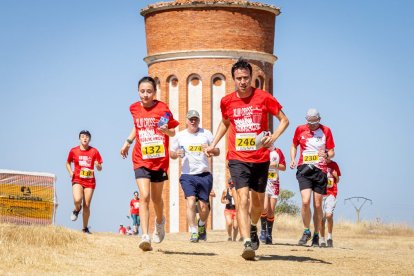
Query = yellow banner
x=27 y=197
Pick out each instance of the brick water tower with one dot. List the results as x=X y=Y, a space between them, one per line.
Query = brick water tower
x=191 y=46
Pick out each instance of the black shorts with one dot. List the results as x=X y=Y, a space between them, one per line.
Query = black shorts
x=154 y=176
x=247 y=174
x=311 y=177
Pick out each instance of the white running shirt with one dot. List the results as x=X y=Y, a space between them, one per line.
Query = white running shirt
x=194 y=161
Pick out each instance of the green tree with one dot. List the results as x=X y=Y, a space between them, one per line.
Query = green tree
x=285 y=204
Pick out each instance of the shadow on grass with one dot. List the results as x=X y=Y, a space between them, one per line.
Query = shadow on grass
x=291 y=258
x=185 y=253
x=308 y=247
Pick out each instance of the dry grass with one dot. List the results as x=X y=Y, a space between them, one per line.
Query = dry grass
x=358 y=250
x=288 y=223
x=374 y=228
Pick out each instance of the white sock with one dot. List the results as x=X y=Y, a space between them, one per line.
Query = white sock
x=201 y=223
x=193 y=229
x=247 y=240
x=322 y=239
x=329 y=236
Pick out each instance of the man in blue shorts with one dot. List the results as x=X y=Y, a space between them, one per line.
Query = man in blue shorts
x=196 y=179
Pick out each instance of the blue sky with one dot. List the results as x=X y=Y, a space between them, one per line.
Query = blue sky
x=72 y=65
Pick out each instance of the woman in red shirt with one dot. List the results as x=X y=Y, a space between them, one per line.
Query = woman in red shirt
x=85 y=158
x=153 y=125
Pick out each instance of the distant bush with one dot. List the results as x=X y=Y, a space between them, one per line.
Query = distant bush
x=285 y=204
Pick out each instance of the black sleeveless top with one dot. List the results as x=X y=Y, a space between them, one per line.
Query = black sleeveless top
x=231 y=205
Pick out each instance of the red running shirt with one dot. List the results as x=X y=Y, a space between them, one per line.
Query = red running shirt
x=151 y=145
x=311 y=142
x=134 y=204
x=84 y=161
x=248 y=118
x=332 y=187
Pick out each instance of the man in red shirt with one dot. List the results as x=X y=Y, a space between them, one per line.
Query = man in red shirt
x=134 y=212
x=85 y=159
x=329 y=202
x=316 y=147
x=245 y=115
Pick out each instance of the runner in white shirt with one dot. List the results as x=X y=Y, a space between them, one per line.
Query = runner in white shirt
x=196 y=179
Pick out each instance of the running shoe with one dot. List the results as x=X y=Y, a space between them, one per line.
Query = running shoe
x=263 y=235
x=194 y=237
x=229 y=239
x=74 y=215
x=145 y=243
x=248 y=251
x=269 y=239
x=305 y=238
x=86 y=230
x=254 y=237
x=202 y=233
x=315 y=241
x=330 y=242
x=322 y=244
x=159 y=231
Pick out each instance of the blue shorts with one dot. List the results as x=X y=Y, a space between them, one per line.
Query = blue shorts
x=135 y=220
x=198 y=185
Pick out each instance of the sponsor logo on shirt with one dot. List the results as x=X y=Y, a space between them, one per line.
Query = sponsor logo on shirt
x=85 y=161
x=247 y=118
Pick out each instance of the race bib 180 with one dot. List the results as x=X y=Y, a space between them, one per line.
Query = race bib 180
x=86 y=173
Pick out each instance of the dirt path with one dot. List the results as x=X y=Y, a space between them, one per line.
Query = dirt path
x=105 y=253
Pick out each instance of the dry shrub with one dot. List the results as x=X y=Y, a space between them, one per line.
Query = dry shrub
x=29 y=248
x=373 y=228
x=286 y=222
x=41 y=236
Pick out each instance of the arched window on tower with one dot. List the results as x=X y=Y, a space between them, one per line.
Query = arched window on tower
x=158 y=83
x=173 y=95
x=259 y=82
x=195 y=94
x=218 y=91
x=173 y=103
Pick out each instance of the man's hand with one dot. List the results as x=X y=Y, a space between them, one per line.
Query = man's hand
x=292 y=164
x=209 y=151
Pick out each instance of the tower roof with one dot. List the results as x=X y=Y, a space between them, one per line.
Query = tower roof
x=208 y=3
